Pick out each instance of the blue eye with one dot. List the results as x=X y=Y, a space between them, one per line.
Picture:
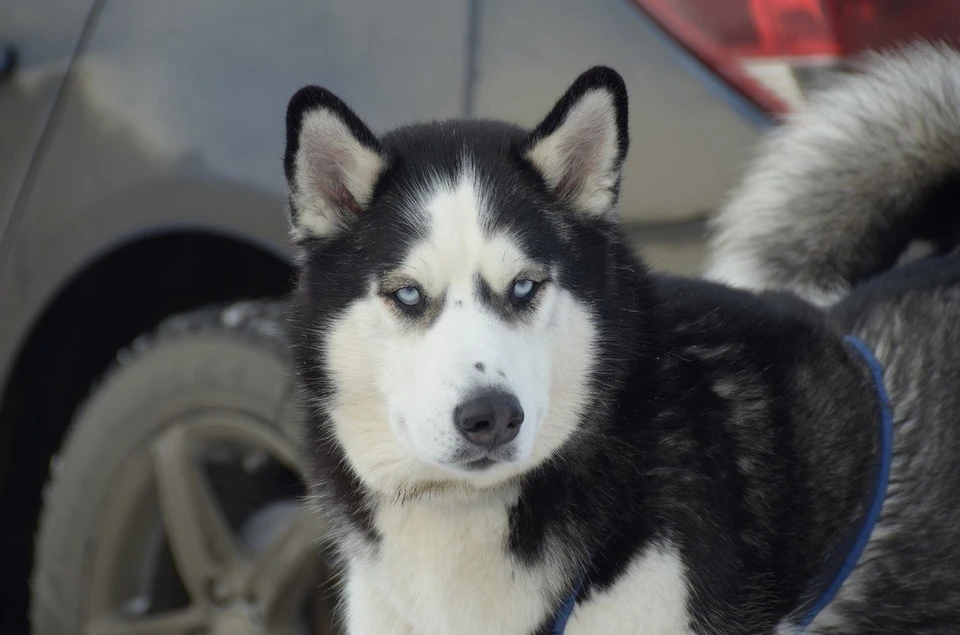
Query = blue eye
x=409 y=296
x=522 y=289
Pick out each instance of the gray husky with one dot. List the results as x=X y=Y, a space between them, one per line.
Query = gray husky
x=514 y=428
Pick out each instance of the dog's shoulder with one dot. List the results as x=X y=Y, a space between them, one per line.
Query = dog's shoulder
x=698 y=314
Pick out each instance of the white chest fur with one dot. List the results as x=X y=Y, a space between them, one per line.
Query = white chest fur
x=649 y=599
x=445 y=568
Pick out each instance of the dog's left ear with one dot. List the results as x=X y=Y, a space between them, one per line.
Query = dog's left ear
x=580 y=146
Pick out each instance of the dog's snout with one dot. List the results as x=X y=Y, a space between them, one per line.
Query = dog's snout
x=489 y=419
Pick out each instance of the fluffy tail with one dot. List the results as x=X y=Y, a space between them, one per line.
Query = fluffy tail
x=849 y=181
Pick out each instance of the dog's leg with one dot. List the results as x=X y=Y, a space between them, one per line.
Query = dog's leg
x=367 y=610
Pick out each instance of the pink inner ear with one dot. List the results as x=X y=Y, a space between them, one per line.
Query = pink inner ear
x=582 y=158
x=571 y=179
x=326 y=160
x=346 y=200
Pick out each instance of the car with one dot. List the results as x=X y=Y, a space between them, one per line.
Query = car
x=149 y=478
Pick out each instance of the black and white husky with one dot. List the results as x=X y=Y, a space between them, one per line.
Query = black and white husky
x=514 y=428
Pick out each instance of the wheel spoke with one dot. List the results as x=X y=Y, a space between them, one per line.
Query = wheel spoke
x=289 y=560
x=184 y=622
x=200 y=538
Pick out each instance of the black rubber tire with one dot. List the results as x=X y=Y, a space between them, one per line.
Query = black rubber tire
x=216 y=357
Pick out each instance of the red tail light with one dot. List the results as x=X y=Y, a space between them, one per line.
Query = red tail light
x=772 y=51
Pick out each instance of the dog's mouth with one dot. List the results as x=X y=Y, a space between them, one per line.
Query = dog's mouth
x=477 y=462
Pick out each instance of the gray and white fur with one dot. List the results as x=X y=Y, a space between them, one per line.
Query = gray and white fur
x=864 y=169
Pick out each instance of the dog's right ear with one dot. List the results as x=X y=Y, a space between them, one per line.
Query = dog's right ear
x=579 y=148
x=332 y=163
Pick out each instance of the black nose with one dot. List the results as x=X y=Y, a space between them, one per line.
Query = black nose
x=489 y=419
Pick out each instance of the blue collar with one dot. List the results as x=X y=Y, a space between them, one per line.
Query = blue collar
x=836 y=567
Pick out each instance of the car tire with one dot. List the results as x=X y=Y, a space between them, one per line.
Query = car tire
x=229 y=365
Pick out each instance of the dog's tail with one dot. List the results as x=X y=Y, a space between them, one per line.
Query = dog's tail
x=846 y=184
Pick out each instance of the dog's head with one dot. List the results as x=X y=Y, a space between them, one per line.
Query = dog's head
x=452 y=277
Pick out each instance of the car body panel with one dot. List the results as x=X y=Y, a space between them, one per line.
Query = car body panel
x=173 y=120
x=172 y=116
x=44 y=34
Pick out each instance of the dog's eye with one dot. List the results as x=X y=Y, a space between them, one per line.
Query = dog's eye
x=409 y=296
x=523 y=289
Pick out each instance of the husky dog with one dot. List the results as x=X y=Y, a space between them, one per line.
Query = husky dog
x=514 y=428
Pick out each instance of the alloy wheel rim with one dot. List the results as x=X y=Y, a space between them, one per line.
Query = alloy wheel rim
x=176 y=554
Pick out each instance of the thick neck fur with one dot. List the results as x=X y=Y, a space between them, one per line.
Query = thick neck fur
x=698 y=451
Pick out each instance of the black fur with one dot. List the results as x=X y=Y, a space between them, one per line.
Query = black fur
x=739 y=427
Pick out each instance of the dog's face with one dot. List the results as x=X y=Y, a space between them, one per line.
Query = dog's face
x=445 y=316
